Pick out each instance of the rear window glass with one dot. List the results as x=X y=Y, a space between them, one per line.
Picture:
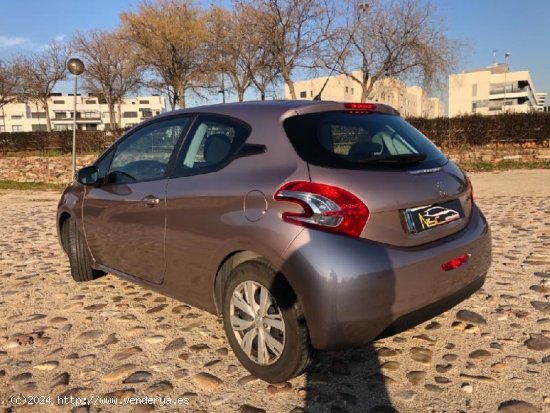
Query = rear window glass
x=356 y=141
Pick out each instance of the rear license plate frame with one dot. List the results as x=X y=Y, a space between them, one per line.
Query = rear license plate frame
x=427 y=217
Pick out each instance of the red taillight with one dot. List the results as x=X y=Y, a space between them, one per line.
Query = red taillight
x=326 y=207
x=360 y=106
x=455 y=263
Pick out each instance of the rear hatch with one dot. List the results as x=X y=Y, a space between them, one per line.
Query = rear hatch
x=414 y=195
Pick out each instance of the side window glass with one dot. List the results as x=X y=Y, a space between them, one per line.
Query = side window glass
x=145 y=154
x=211 y=143
x=104 y=163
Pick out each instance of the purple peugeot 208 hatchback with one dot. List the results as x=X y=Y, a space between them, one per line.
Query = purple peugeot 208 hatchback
x=305 y=225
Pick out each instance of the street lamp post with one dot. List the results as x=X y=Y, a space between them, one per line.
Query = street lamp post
x=506 y=56
x=363 y=10
x=222 y=90
x=76 y=67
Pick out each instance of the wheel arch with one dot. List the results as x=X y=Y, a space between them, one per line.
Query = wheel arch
x=63 y=218
x=224 y=270
x=230 y=262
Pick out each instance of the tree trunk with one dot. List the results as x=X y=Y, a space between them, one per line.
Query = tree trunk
x=112 y=120
x=364 y=92
x=173 y=99
x=240 y=93
x=262 y=94
x=119 y=115
x=48 y=119
x=181 y=93
x=290 y=84
x=4 y=118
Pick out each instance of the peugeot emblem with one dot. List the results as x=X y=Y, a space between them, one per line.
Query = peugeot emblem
x=440 y=186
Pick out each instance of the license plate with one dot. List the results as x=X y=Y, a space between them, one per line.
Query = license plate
x=427 y=217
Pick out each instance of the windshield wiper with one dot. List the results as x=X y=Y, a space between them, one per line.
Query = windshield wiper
x=406 y=159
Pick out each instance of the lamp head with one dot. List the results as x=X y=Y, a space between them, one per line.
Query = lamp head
x=75 y=66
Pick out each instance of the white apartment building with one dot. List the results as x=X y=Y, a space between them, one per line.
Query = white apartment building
x=409 y=101
x=540 y=97
x=491 y=90
x=91 y=113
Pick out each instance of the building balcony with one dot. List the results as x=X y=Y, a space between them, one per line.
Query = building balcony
x=501 y=90
x=80 y=116
x=79 y=120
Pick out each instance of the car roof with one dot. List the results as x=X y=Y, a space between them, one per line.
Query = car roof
x=279 y=108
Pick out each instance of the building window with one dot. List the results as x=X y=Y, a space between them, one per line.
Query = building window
x=39 y=128
x=129 y=114
x=352 y=91
x=303 y=95
x=62 y=127
x=90 y=115
x=90 y=102
x=17 y=128
x=143 y=102
x=2 y=128
x=58 y=102
x=146 y=113
x=38 y=115
x=17 y=116
x=60 y=115
x=347 y=89
x=474 y=90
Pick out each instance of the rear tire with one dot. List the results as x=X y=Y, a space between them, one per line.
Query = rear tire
x=278 y=326
x=77 y=250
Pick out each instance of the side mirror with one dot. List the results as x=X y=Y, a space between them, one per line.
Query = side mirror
x=88 y=175
x=250 y=149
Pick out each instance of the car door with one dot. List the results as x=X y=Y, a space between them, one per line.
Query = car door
x=201 y=199
x=124 y=217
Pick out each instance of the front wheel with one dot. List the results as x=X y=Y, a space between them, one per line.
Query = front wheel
x=264 y=323
x=77 y=250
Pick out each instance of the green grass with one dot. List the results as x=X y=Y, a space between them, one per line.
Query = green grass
x=505 y=165
x=30 y=185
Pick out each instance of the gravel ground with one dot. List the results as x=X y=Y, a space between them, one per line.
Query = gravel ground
x=111 y=339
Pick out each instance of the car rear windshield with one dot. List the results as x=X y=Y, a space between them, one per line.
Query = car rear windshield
x=360 y=141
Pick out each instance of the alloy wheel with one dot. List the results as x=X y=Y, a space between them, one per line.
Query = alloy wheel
x=257 y=323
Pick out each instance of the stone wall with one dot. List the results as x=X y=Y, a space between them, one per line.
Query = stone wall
x=57 y=169
x=50 y=169
x=499 y=152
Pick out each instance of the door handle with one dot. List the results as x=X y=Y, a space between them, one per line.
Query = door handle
x=150 y=201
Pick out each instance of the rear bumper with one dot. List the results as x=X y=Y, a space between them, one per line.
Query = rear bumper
x=353 y=290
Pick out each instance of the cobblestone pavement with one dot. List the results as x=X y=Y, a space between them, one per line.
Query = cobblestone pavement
x=112 y=339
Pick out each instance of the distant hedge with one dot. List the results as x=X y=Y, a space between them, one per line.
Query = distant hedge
x=482 y=130
x=55 y=141
x=522 y=128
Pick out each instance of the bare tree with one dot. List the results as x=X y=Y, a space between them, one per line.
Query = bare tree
x=169 y=39
x=293 y=31
x=111 y=73
x=237 y=44
x=40 y=72
x=394 y=38
x=259 y=62
x=9 y=84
